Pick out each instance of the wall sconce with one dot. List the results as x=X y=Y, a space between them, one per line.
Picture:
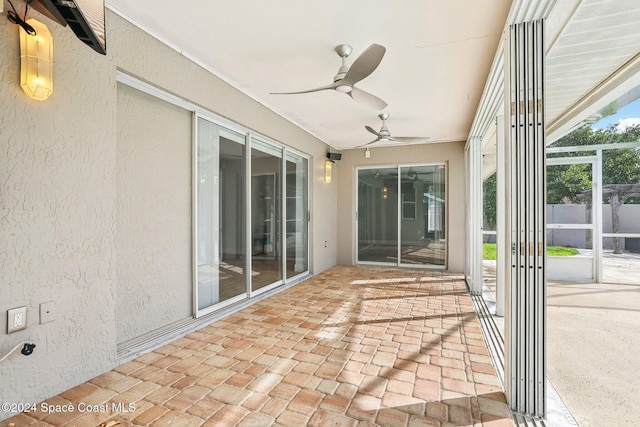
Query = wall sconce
x=36 y=61
x=328 y=171
x=385 y=193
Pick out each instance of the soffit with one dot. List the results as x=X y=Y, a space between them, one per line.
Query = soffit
x=597 y=39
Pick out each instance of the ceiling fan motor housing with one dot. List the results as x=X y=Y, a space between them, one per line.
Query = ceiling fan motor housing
x=344 y=50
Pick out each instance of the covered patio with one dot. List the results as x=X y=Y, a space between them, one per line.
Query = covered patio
x=350 y=346
x=182 y=244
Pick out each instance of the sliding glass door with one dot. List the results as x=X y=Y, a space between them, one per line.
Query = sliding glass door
x=401 y=215
x=219 y=215
x=297 y=208
x=422 y=225
x=378 y=215
x=249 y=213
x=266 y=193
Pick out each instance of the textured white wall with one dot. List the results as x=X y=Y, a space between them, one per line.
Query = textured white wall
x=57 y=218
x=451 y=153
x=59 y=197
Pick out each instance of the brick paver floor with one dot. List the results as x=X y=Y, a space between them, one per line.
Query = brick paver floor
x=353 y=346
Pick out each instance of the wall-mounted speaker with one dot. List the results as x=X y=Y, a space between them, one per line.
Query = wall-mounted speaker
x=334 y=156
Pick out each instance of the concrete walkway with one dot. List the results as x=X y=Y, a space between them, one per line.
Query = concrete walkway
x=593 y=352
x=593 y=343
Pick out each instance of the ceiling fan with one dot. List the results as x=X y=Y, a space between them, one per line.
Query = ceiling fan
x=347 y=77
x=385 y=136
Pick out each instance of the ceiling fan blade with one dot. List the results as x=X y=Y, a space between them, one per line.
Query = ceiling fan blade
x=367 y=99
x=369 y=143
x=370 y=129
x=331 y=86
x=365 y=64
x=410 y=138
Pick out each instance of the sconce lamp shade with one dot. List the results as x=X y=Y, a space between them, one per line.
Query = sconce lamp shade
x=328 y=171
x=36 y=61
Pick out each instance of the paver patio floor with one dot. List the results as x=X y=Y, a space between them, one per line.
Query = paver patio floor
x=353 y=346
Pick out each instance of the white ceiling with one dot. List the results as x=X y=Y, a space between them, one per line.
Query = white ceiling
x=438 y=56
x=432 y=75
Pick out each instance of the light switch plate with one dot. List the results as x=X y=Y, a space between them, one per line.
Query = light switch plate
x=16 y=319
x=46 y=312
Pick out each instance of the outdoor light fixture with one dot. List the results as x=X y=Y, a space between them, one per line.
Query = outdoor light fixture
x=328 y=171
x=36 y=61
x=385 y=193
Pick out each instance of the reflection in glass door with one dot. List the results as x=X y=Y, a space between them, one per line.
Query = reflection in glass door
x=220 y=215
x=296 y=237
x=422 y=238
x=378 y=215
x=266 y=247
x=401 y=215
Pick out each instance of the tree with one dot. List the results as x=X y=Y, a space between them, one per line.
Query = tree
x=489 y=201
x=566 y=182
x=620 y=172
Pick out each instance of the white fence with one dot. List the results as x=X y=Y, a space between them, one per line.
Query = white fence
x=629 y=216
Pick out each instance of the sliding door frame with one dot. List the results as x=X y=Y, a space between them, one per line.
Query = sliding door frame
x=307 y=213
x=399 y=168
x=199 y=112
x=197 y=115
x=283 y=215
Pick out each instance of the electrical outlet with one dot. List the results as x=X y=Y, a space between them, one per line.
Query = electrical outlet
x=16 y=319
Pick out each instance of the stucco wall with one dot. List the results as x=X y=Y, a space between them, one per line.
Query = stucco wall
x=57 y=218
x=451 y=153
x=59 y=197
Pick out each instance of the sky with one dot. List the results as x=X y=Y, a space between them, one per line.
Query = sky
x=629 y=115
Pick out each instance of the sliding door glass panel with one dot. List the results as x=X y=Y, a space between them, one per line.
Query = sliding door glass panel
x=266 y=249
x=378 y=215
x=297 y=223
x=422 y=205
x=232 y=216
x=219 y=237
